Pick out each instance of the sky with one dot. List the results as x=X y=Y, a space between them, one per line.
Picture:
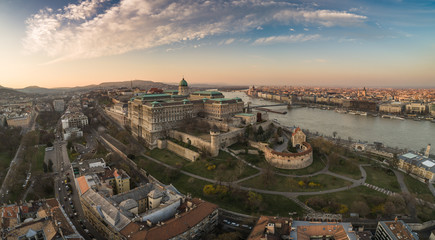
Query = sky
x=337 y=43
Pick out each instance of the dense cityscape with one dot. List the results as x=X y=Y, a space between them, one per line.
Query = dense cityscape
x=217 y=120
x=152 y=161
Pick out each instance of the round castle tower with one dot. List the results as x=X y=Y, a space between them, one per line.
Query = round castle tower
x=215 y=140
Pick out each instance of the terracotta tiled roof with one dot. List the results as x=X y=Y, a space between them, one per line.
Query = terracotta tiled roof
x=83 y=184
x=115 y=173
x=296 y=130
x=10 y=211
x=174 y=226
x=24 y=209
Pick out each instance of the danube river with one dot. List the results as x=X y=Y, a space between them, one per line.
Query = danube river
x=409 y=134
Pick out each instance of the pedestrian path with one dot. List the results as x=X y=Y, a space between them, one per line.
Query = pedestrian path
x=382 y=190
x=390 y=193
x=301 y=204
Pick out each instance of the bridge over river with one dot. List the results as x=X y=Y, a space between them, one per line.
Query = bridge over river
x=268 y=105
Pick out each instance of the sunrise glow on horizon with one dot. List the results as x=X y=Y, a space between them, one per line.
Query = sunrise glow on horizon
x=60 y=43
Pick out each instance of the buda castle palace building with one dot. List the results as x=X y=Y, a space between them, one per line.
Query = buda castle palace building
x=152 y=116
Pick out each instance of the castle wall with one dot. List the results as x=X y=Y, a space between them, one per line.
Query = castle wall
x=229 y=138
x=182 y=151
x=194 y=141
x=118 y=117
x=286 y=160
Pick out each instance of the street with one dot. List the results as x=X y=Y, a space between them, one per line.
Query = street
x=67 y=194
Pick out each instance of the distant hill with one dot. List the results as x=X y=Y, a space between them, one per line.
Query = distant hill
x=9 y=92
x=135 y=83
x=36 y=90
x=142 y=84
x=105 y=85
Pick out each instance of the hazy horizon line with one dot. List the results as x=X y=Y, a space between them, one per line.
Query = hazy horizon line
x=231 y=85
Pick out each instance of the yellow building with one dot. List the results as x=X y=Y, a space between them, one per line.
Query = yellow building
x=119 y=179
x=418 y=165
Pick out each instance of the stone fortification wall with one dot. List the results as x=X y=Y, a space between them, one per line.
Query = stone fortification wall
x=194 y=141
x=222 y=125
x=286 y=160
x=182 y=151
x=119 y=118
x=250 y=151
x=229 y=138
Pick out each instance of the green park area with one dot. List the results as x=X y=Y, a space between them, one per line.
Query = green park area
x=279 y=183
x=419 y=189
x=362 y=200
x=230 y=198
x=9 y=141
x=347 y=167
x=223 y=167
x=38 y=161
x=383 y=178
x=5 y=160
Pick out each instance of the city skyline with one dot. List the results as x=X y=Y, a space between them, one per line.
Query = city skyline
x=332 y=43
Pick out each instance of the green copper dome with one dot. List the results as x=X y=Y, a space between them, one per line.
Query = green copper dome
x=183 y=83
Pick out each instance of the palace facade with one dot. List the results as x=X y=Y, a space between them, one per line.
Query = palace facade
x=151 y=116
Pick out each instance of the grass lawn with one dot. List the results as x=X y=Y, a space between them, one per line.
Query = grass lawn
x=379 y=177
x=5 y=160
x=347 y=167
x=347 y=197
x=223 y=166
x=272 y=205
x=38 y=161
x=421 y=190
x=289 y=184
x=167 y=156
x=252 y=158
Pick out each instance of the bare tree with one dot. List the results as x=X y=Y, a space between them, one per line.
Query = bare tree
x=240 y=167
x=361 y=208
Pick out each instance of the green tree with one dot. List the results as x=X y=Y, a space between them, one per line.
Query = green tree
x=279 y=131
x=45 y=167
x=69 y=145
x=268 y=175
x=50 y=165
x=254 y=200
x=260 y=131
x=361 y=208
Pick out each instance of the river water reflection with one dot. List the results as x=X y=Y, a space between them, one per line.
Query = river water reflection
x=410 y=134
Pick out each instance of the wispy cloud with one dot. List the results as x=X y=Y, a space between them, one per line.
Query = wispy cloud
x=287 y=39
x=327 y=18
x=227 y=41
x=94 y=28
